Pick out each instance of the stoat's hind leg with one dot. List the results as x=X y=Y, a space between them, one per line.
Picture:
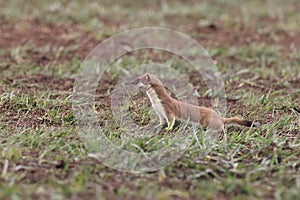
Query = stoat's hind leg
x=224 y=134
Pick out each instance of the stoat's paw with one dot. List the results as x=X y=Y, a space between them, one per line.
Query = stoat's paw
x=168 y=129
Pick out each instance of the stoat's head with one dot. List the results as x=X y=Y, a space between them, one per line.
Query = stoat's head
x=144 y=81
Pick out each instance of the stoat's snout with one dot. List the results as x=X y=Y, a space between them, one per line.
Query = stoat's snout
x=139 y=83
x=136 y=82
x=143 y=81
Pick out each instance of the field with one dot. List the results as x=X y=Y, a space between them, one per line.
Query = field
x=255 y=45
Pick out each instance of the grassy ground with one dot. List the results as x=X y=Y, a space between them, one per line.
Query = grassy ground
x=256 y=46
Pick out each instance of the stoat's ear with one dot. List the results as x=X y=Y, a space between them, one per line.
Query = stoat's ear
x=148 y=79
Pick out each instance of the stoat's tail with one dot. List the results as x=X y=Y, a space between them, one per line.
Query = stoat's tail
x=240 y=122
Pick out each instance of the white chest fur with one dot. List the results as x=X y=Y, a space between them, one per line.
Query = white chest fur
x=156 y=105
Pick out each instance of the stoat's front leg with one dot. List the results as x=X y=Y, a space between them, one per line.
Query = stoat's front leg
x=161 y=120
x=160 y=113
x=171 y=121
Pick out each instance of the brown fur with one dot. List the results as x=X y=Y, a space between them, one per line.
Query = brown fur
x=174 y=109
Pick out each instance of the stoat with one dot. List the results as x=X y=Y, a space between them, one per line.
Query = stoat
x=169 y=109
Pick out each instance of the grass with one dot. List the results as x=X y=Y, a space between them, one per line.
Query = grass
x=256 y=47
